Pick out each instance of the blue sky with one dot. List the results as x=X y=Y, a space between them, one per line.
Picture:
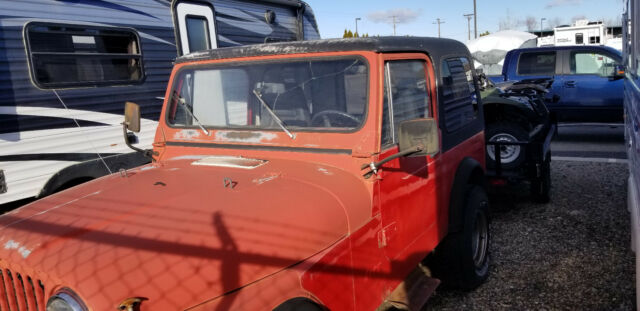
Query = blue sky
x=417 y=18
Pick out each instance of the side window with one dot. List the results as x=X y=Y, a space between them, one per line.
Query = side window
x=537 y=63
x=591 y=63
x=594 y=39
x=82 y=56
x=459 y=101
x=196 y=27
x=406 y=96
x=579 y=38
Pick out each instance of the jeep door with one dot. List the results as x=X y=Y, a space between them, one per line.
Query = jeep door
x=590 y=91
x=408 y=192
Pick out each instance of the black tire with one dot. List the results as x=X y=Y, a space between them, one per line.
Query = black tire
x=461 y=261
x=541 y=187
x=298 y=304
x=511 y=156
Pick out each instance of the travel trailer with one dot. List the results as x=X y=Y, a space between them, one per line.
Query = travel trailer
x=583 y=32
x=67 y=68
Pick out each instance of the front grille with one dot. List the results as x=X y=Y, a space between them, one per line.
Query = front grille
x=20 y=292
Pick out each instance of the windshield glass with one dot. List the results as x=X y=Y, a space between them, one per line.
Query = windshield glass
x=301 y=94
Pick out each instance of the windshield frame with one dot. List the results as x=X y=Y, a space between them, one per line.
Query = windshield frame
x=272 y=59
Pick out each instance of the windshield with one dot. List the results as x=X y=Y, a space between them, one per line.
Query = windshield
x=293 y=95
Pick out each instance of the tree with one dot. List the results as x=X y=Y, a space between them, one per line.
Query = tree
x=346 y=34
x=349 y=34
x=531 y=23
x=486 y=33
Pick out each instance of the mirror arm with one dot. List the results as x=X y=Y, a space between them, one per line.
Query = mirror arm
x=147 y=153
x=374 y=166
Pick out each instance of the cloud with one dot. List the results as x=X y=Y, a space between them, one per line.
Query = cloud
x=402 y=16
x=555 y=3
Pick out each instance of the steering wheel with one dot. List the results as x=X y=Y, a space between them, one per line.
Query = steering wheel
x=326 y=117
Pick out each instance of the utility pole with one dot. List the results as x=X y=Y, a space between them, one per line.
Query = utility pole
x=475 y=20
x=541 y=20
x=394 y=25
x=357 y=19
x=438 y=22
x=468 y=16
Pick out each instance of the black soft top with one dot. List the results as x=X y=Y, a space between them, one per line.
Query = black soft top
x=435 y=47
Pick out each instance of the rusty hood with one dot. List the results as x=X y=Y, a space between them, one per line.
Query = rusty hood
x=181 y=231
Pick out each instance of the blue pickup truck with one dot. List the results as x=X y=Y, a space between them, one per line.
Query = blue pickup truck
x=587 y=83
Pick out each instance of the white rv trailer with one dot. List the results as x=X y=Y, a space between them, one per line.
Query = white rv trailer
x=582 y=32
x=67 y=67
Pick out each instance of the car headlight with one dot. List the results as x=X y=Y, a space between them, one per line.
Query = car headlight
x=65 y=300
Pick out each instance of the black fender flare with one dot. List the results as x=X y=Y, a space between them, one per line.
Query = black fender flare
x=469 y=172
x=91 y=169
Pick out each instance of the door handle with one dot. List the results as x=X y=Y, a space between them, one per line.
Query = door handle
x=570 y=84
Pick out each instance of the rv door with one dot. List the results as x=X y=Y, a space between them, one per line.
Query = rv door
x=195 y=26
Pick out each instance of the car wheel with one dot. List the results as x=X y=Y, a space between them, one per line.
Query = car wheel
x=461 y=260
x=541 y=187
x=511 y=156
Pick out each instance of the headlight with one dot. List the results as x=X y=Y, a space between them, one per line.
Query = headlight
x=65 y=300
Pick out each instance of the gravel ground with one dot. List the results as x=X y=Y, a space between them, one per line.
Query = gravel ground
x=571 y=254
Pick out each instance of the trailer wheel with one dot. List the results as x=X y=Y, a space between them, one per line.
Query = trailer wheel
x=461 y=261
x=510 y=156
x=541 y=187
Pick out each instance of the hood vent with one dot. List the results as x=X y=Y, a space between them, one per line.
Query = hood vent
x=227 y=161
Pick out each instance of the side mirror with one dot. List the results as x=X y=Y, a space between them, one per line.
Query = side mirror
x=419 y=133
x=132 y=117
x=619 y=72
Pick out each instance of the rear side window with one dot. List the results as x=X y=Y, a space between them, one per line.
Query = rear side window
x=406 y=96
x=537 y=63
x=579 y=38
x=80 y=56
x=459 y=98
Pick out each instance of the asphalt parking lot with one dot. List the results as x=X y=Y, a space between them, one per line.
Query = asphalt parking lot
x=570 y=254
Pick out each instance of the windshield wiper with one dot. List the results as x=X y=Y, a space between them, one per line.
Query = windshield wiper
x=273 y=115
x=183 y=103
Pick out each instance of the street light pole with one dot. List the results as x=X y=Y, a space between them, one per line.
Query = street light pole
x=357 y=19
x=541 y=20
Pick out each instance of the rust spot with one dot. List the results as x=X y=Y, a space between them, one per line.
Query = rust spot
x=242 y=135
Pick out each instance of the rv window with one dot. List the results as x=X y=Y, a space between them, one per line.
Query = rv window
x=579 y=38
x=64 y=56
x=594 y=39
x=198 y=33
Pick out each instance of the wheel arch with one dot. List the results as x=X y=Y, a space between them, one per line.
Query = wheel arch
x=87 y=170
x=469 y=172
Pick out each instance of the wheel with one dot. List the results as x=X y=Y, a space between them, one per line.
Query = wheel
x=510 y=156
x=298 y=304
x=541 y=187
x=461 y=260
x=330 y=118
